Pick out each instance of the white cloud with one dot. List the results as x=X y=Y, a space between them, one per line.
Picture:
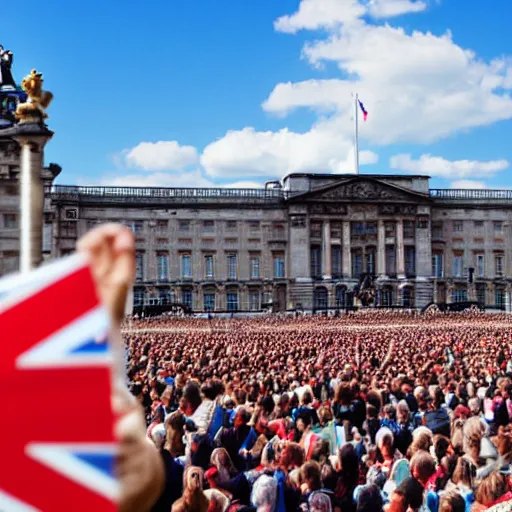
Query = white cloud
x=449 y=169
x=314 y=14
x=468 y=184
x=418 y=87
x=244 y=184
x=192 y=179
x=391 y=8
x=329 y=14
x=251 y=153
x=161 y=156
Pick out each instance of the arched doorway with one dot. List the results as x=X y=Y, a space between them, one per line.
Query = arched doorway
x=320 y=298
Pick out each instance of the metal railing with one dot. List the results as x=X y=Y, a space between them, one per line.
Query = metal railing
x=470 y=194
x=178 y=194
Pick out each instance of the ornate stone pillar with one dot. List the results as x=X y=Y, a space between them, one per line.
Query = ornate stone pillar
x=326 y=250
x=400 y=249
x=381 y=250
x=32 y=138
x=346 y=259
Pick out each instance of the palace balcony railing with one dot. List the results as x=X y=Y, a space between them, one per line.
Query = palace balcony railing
x=470 y=195
x=163 y=195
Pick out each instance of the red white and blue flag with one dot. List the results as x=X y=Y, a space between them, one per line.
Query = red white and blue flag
x=56 y=429
x=363 y=110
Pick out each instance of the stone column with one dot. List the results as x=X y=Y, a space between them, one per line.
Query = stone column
x=346 y=258
x=326 y=250
x=400 y=249
x=32 y=139
x=381 y=250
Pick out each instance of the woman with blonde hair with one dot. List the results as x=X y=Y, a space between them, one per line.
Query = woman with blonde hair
x=493 y=493
x=222 y=461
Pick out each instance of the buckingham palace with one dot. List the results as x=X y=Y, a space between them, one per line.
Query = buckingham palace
x=302 y=242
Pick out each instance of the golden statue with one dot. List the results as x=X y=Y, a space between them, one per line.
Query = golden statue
x=34 y=109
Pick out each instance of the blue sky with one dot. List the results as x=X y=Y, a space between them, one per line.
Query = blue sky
x=238 y=92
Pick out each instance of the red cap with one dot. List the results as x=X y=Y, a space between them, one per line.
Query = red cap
x=461 y=411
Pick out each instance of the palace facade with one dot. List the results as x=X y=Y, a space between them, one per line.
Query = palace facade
x=302 y=242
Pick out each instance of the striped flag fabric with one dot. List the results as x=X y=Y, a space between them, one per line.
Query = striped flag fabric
x=56 y=434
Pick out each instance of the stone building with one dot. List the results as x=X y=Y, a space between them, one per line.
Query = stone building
x=302 y=242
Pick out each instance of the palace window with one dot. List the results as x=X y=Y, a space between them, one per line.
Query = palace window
x=254 y=226
x=68 y=229
x=209 y=300
x=208 y=266
x=498 y=265
x=390 y=229
x=10 y=221
x=437 y=230
x=232 y=301
x=499 y=297
x=316 y=230
x=186 y=297
x=138 y=297
x=139 y=266
x=437 y=265
x=208 y=226
x=459 y=295
x=457 y=265
x=458 y=226
x=336 y=261
x=390 y=260
x=498 y=228
x=320 y=298
x=480 y=265
x=409 y=229
x=341 y=297
x=316 y=261
x=370 y=260
x=279 y=265
x=232 y=266
x=410 y=260
x=186 y=266
x=163 y=266
x=254 y=300
x=254 y=264
x=231 y=225
x=357 y=263
x=335 y=230
x=386 y=296
x=162 y=226
x=184 y=225
x=165 y=296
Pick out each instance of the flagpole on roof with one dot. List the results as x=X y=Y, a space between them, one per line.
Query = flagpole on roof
x=356 y=132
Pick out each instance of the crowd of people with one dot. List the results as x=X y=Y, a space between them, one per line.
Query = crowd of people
x=365 y=412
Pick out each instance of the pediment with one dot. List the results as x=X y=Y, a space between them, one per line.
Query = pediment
x=363 y=189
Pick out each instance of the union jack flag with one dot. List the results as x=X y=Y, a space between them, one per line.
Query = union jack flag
x=56 y=429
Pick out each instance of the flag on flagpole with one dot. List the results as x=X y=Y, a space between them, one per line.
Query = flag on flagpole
x=51 y=321
x=363 y=110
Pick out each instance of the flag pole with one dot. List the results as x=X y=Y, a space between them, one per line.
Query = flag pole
x=356 y=133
